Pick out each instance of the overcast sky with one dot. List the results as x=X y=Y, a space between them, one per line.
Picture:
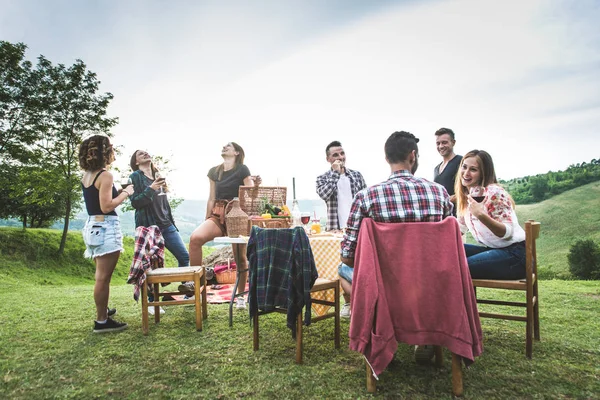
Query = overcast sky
x=518 y=78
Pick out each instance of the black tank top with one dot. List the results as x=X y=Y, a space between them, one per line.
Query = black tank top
x=91 y=195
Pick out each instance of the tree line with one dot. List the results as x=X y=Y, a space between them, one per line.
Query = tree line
x=46 y=110
x=533 y=189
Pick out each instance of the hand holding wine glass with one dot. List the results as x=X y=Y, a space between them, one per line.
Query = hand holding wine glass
x=161 y=181
x=477 y=193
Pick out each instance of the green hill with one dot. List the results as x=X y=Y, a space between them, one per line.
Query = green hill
x=30 y=255
x=565 y=218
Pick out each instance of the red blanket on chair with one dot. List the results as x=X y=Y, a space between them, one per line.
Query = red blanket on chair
x=412 y=284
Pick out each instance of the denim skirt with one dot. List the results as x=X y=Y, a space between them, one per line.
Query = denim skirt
x=102 y=235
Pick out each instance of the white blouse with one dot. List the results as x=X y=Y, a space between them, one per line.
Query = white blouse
x=498 y=206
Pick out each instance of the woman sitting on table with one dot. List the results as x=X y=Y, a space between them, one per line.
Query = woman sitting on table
x=490 y=217
x=225 y=180
x=152 y=208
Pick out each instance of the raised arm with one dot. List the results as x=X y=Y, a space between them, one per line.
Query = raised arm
x=142 y=194
x=105 y=184
x=327 y=184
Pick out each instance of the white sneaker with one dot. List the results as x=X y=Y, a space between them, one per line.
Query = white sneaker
x=241 y=303
x=151 y=310
x=345 y=311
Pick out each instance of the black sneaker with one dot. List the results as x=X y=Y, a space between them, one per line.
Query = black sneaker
x=168 y=298
x=187 y=288
x=111 y=311
x=110 y=326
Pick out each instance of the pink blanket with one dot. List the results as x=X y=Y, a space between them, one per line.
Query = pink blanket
x=412 y=284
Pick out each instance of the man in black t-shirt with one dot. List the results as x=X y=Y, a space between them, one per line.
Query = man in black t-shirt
x=445 y=172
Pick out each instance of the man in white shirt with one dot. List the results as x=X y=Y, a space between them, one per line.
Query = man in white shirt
x=337 y=188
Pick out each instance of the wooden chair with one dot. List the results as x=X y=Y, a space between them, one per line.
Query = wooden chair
x=283 y=270
x=320 y=285
x=529 y=285
x=158 y=276
x=405 y=281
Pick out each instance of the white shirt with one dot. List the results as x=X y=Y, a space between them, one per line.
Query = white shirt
x=344 y=197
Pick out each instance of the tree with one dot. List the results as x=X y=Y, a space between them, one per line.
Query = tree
x=17 y=103
x=69 y=108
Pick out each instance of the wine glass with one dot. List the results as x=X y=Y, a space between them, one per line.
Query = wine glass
x=305 y=219
x=477 y=192
x=125 y=183
x=161 y=189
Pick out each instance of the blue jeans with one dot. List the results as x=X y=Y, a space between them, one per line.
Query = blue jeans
x=175 y=245
x=345 y=272
x=488 y=263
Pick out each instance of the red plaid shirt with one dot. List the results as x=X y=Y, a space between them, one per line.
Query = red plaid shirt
x=402 y=198
x=149 y=245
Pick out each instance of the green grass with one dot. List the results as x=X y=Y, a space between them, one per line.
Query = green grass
x=48 y=350
x=566 y=218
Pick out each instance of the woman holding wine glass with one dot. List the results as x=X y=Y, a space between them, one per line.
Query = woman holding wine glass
x=225 y=180
x=102 y=231
x=487 y=211
x=152 y=208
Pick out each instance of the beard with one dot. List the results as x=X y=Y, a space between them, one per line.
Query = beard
x=415 y=166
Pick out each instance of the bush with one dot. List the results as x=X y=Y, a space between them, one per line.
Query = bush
x=584 y=259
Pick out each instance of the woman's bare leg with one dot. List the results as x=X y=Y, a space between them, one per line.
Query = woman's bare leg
x=105 y=265
x=206 y=232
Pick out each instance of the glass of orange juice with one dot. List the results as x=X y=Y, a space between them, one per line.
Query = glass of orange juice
x=316 y=226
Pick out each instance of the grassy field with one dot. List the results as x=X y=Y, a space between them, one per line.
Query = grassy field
x=48 y=350
x=566 y=218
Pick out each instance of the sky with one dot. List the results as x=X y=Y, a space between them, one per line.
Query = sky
x=520 y=79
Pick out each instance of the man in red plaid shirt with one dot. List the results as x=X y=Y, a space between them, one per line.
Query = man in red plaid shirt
x=402 y=198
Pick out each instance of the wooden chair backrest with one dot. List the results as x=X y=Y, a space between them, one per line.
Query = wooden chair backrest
x=532 y=232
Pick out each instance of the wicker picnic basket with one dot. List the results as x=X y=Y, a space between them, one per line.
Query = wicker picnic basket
x=225 y=274
x=253 y=198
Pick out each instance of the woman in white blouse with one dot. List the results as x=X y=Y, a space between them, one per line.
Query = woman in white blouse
x=491 y=219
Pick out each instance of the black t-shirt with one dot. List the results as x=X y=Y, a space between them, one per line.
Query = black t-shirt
x=446 y=178
x=160 y=206
x=228 y=186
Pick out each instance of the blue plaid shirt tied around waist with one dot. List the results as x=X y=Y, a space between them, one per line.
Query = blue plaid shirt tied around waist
x=282 y=272
x=327 y=190
x=402 y=198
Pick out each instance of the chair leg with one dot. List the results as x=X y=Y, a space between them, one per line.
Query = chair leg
x=156 y=308
x=204 y=303
x=439 y=356
x=337 y=316
x=371 y=382
x=536 y=313
x=457 y=381
x=197 y=305
x=299 y=339
x=529 y=325
x=145 y=309
x=255 y=331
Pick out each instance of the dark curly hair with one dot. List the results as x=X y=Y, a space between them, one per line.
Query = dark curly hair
x=95 y=153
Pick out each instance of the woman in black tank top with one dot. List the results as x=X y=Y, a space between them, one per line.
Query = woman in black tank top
x=102 y=232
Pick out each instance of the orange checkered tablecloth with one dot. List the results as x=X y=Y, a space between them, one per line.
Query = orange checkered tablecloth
x=326 y=251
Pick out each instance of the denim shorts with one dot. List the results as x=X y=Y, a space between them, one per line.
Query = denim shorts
x=345 y=272
x=102 y=235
